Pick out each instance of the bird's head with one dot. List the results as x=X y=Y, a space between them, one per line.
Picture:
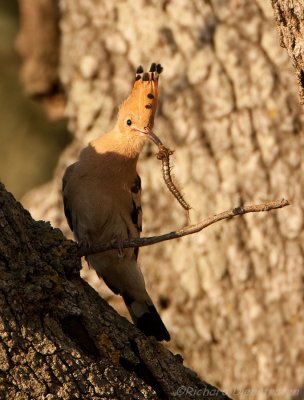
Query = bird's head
x=136 y=114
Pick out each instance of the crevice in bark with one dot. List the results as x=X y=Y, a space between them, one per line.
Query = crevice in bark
x=74 y=328
x=143 y=371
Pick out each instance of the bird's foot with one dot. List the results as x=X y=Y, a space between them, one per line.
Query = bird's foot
x=84 y=245
x=118 y=240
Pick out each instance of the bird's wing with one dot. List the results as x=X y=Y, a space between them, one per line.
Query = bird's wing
x=136 y=214
x=67 y=210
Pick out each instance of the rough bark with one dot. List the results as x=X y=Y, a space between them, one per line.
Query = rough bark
x=289 y=16
x=232 y=295
x=59 y=339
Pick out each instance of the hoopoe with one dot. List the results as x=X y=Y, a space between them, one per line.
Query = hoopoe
x=101 y=194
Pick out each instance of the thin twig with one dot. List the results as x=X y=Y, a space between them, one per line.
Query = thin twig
x=187 y=230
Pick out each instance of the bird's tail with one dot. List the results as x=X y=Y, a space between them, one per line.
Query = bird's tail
x=146 y=318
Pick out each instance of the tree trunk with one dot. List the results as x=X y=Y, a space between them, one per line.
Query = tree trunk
x=289 y=16
x=59 y=339
x=232 y=295
x=38 y=46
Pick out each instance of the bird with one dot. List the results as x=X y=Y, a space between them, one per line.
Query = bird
x=102 y=200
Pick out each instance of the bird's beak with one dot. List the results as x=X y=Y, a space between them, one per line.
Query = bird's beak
x=150 y=135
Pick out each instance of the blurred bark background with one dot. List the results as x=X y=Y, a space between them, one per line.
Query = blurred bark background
x=232 y=296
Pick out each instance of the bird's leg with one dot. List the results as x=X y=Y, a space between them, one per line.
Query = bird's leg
x=118 y=240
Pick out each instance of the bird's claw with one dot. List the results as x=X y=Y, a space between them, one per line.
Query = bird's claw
x=118 y=240
x=84 y=245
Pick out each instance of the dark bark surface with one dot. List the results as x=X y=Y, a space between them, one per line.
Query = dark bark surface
x=59 y=339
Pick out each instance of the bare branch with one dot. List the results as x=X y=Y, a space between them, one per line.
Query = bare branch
x=187 y=230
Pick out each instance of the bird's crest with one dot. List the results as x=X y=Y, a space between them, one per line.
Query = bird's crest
x=143 y=99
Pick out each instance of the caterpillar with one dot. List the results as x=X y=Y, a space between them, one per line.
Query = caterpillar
x=163 y=154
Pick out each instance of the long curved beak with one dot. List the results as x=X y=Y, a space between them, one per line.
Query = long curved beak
x=150 y=135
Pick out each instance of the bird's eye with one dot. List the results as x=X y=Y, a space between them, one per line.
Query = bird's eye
x=129 y=122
